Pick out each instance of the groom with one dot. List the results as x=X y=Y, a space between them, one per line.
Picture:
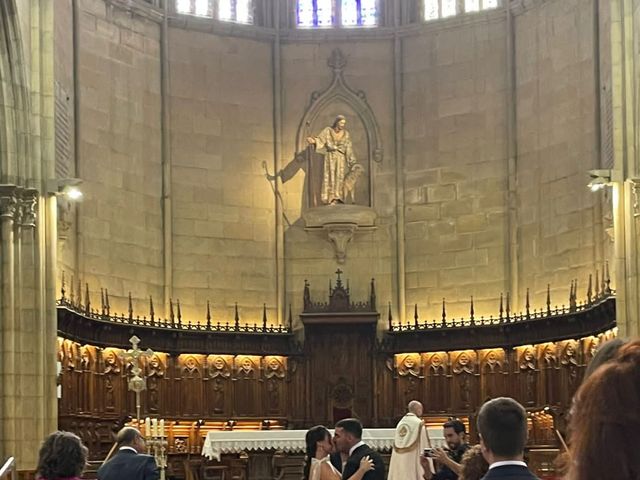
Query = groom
x=348 y=440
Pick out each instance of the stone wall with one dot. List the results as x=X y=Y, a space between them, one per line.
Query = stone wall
x=223 y=125
x=557 y=142
x=119 y=157
x=454 y=96
x=223 y=207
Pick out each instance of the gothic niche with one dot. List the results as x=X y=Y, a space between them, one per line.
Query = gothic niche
x=274 y=374
x=409 y=367
x=338 y=142
x=527 y=367
x=156 y=368
x=219 y=373
x=464 y=371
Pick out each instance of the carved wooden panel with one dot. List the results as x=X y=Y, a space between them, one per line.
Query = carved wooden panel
x=340 y=370
x=437 y=387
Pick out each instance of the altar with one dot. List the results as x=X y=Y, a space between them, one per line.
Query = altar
x=291 y=441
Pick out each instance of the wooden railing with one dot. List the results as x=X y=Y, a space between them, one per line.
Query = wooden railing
x=8 y=470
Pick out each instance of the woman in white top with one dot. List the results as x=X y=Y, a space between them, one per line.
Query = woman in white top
x=317 y=465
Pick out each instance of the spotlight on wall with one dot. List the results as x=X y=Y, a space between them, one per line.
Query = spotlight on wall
x=66 y=187
x=599 y=179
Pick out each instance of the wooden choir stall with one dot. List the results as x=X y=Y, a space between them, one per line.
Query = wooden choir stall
x=234 y=400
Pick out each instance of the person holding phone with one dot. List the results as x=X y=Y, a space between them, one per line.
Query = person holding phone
x=448 y=459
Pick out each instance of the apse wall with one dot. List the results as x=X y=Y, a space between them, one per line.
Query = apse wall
x=223 y=207
x=454 y=96
x=559 y=221
x=225 y=120
x=119 y=223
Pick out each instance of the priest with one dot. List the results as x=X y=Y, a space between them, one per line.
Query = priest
x=410 y=440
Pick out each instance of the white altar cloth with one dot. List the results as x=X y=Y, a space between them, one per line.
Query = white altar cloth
x=218 y=442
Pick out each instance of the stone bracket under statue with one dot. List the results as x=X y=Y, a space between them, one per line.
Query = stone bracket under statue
x=339 y=223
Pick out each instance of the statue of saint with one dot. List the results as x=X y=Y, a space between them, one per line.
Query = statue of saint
x=340 y=168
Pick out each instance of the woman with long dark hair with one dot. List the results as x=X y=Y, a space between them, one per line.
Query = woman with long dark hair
x=604 y=430
x=62 y=456
x=317 y=465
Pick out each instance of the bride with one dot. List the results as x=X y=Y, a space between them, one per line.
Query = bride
x=317 y=465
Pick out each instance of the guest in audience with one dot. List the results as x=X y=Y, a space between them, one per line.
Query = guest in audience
x=502 y=424
x=348 y=439
x=62 y=456
x=473 y=465
x=130 y=462
x=318 y=465
x=604 y=428
x=449 y=460
x=604 y=353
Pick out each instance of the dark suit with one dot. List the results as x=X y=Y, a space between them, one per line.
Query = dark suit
x=510 y=472
x=353 y=463
x=336 y=461
x=129 y=465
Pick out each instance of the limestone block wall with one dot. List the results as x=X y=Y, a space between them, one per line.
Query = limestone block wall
x=223 y=207
x=65 y=99
x=223 y=123
x=454 y=99
x=119 y=155
x=310 y=255
x=557 y=138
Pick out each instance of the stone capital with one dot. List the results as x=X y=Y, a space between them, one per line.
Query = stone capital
x=8 y=202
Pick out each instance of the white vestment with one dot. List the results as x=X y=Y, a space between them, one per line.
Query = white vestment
x=411 y=438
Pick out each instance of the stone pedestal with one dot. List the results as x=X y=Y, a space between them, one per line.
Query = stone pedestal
x=339 y=223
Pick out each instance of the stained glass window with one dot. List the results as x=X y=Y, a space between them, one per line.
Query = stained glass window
x=244 y=11
x=448 y=8
x=349 y=13
x=431 y=10
x=202 y=8
x=240 y=11
x=368 y=13
x=471 y=5
x=434 y=9
x=305 y=13
x=225 y=10
x=323 y=13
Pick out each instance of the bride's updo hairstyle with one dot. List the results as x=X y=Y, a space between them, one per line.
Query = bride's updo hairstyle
x=314 y=435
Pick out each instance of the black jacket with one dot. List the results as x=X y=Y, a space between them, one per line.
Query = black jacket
x=353 y=463
x=128 y=465
x=510 y=472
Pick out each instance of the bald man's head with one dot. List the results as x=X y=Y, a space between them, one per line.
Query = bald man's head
x=415 y=407
x=131 y=437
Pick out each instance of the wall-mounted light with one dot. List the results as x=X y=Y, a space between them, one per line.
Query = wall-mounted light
x=67 y=187
x=599 y=179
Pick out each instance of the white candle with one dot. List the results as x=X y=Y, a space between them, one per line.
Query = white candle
x=162 y=427
x=154 y=427
x=147 y=427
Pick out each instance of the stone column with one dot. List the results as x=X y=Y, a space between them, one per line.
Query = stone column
x=8 y=207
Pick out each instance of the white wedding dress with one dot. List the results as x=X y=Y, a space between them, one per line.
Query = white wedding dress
x=316 y=468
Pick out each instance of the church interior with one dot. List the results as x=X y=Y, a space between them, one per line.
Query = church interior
x=227 y=221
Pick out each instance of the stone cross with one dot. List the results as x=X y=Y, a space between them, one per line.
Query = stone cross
x=137 y=382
